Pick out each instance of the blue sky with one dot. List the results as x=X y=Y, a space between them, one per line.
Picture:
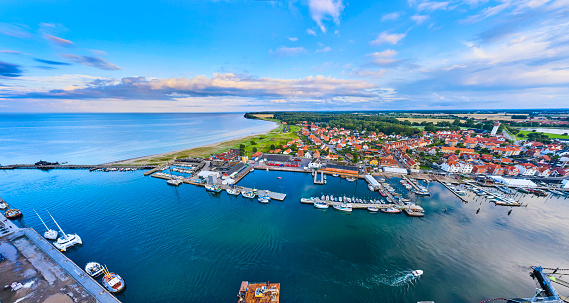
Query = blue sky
x=207 y=56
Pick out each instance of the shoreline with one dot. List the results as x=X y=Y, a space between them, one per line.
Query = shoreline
x=207 y=147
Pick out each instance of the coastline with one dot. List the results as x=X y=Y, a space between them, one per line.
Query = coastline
x=198 y=151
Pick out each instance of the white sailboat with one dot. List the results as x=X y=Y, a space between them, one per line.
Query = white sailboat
x=49 y=234
x=66 y=240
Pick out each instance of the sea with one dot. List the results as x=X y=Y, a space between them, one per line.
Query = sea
x=183 y=244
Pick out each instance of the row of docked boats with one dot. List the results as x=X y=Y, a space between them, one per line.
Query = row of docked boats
x=62 y=242
x=414 y=187
x=345 y=204
x=264 y=199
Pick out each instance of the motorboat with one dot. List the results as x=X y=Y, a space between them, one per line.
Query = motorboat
x=371 y=188
x=391 y=210
x=3 y=204
x=373 y=209
x=213 y=188
x=66 y=240
x=382 y=193
x=264 y=199
x=417 y=273
x=321 y=205
x=94 y=269
x=335 y=175
x=279 y=177
x=233 y=191
x=113 y=282
x=351 y=179
x=459 y=192
x=49 y=233
x=343 y=207
x=13 y=213
x=248 y=194
x=174 y=182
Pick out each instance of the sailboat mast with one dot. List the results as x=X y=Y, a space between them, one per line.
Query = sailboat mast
x=64 y=235
x=41 y=219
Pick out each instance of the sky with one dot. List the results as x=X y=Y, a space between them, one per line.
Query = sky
x=263 y=55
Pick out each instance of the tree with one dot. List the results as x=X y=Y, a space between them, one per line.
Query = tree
x=456 y=122
x=521 y=135
x=253 y=142
x=457 y=151
x=272 y=146
x=241 y=146
x=430 y=127
x=254 y=149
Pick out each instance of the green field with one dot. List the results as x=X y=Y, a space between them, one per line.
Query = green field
x=551 y=136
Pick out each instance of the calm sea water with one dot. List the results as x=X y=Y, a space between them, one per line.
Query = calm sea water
x=102 y=138
x=186 y=245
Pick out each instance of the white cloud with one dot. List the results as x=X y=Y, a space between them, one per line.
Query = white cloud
x=323 y=50
x=311 y=32
x=293 y=39
x=366 y=73
x=384 y=37
x=432 y=6
x=284 y=51
x=390 y=17
x=383 y=58
x=321 y=10
x=419 y=19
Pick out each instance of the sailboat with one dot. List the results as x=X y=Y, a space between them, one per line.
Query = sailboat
x=67 y=240
x=49 y=234
x=113 y=282
x=3 y=204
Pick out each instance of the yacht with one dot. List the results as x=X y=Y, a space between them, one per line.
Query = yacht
x=174 y=182
x=113 y=282
x=321 y=205
x=213 y=188
x=94 y=269
x=66 y=240
x=233 y=191
x=417 y=273
x=343 y=207
x=390 y=210
x=49 y=234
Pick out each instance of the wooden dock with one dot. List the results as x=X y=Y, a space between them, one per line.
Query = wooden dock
x=259 y=292
x=452 y=191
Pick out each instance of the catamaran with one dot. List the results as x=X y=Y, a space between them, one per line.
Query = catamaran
x=66 y=240
x=49 y=234
x=94 y=269
x=113 y=282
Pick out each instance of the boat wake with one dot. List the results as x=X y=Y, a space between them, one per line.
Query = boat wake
x=394 y=279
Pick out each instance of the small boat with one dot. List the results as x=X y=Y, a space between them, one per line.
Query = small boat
x=321 y=205
x=523 y=190
x=3 y=204
x=390 y=210
x=279 y=177
x=233 y=191
x=539 y=192
x=213 y=188
x=335 y=175
x=371 y=188
x=343 y=207
x=264 y=199
x=94 y=269
x=66 y=240
x=174 y=182
x=248 y=194
x=417 y=273
x=13 y=213
x=373 y=209
x=49 y=234
x=113 y=282
x=351 y=179
x=382 y=193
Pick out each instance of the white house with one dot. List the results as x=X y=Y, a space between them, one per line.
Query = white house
x=457 y=167
x=315 y=165
x=527 y=169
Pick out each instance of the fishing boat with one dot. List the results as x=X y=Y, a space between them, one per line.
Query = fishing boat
x=264 y=199
x=248 y=194
x=391 y=210
x=373 y=209
x=213 y=188
x=66 y=241
x=113 y=282
x=233 y=191
x=12 y=213
x=49 y=234
x=417 y=273
x=351 y=179
x=174 y=182
x=94 y=269
x=321 y=205
x=343 y=207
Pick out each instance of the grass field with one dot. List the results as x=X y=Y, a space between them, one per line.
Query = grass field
x=419 y=120
x=263 y=116
x=487 y=116
x=551 y=136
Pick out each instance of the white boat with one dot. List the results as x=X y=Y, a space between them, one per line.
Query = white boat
x=373 y=209
x=94 y=269
x=49 y=234
x=66 y=241
x=233 y=191
x=351 y=179
x=213 y=188
x=343 y=207
x=174 y=182
x=370 y=187
x=3 y=204
x=321 y=205
x=417 y=273
x=390 y=210
x=248 y=194
x=264 y=199
x=335 y=175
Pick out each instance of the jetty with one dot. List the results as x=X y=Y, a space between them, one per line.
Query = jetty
x=322 y=180
x=38 y=272
x=259 y=292
x=454 y=192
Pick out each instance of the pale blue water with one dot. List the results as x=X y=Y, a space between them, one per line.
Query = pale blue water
x=186 y=245
x=102 y=138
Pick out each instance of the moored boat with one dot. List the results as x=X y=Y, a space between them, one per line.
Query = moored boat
x=351 y=179
x=67 y=240
x=335 y=175
x=233 y=191
x=321 y=205
x=391 y=210
x=382 y=193
x=174 y=182
x=3 y=204
x=49 y=233
x=373 y=209
x=94 y=269
x=113 y=282
x=523 y=190
x=248 y=194
x=213 y=188
x=264 y=199
x=343 y=207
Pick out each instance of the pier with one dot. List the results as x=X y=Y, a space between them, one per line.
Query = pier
x=363 y=205
x=322 y=180
x=454 y=192
x=43 y=272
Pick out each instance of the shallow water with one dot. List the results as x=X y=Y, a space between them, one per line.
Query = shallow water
x=182 y=244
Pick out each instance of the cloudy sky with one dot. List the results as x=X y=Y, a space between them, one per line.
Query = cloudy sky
x=249 y=55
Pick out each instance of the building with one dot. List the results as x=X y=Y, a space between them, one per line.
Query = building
x=495 y=128
x=527 y=169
